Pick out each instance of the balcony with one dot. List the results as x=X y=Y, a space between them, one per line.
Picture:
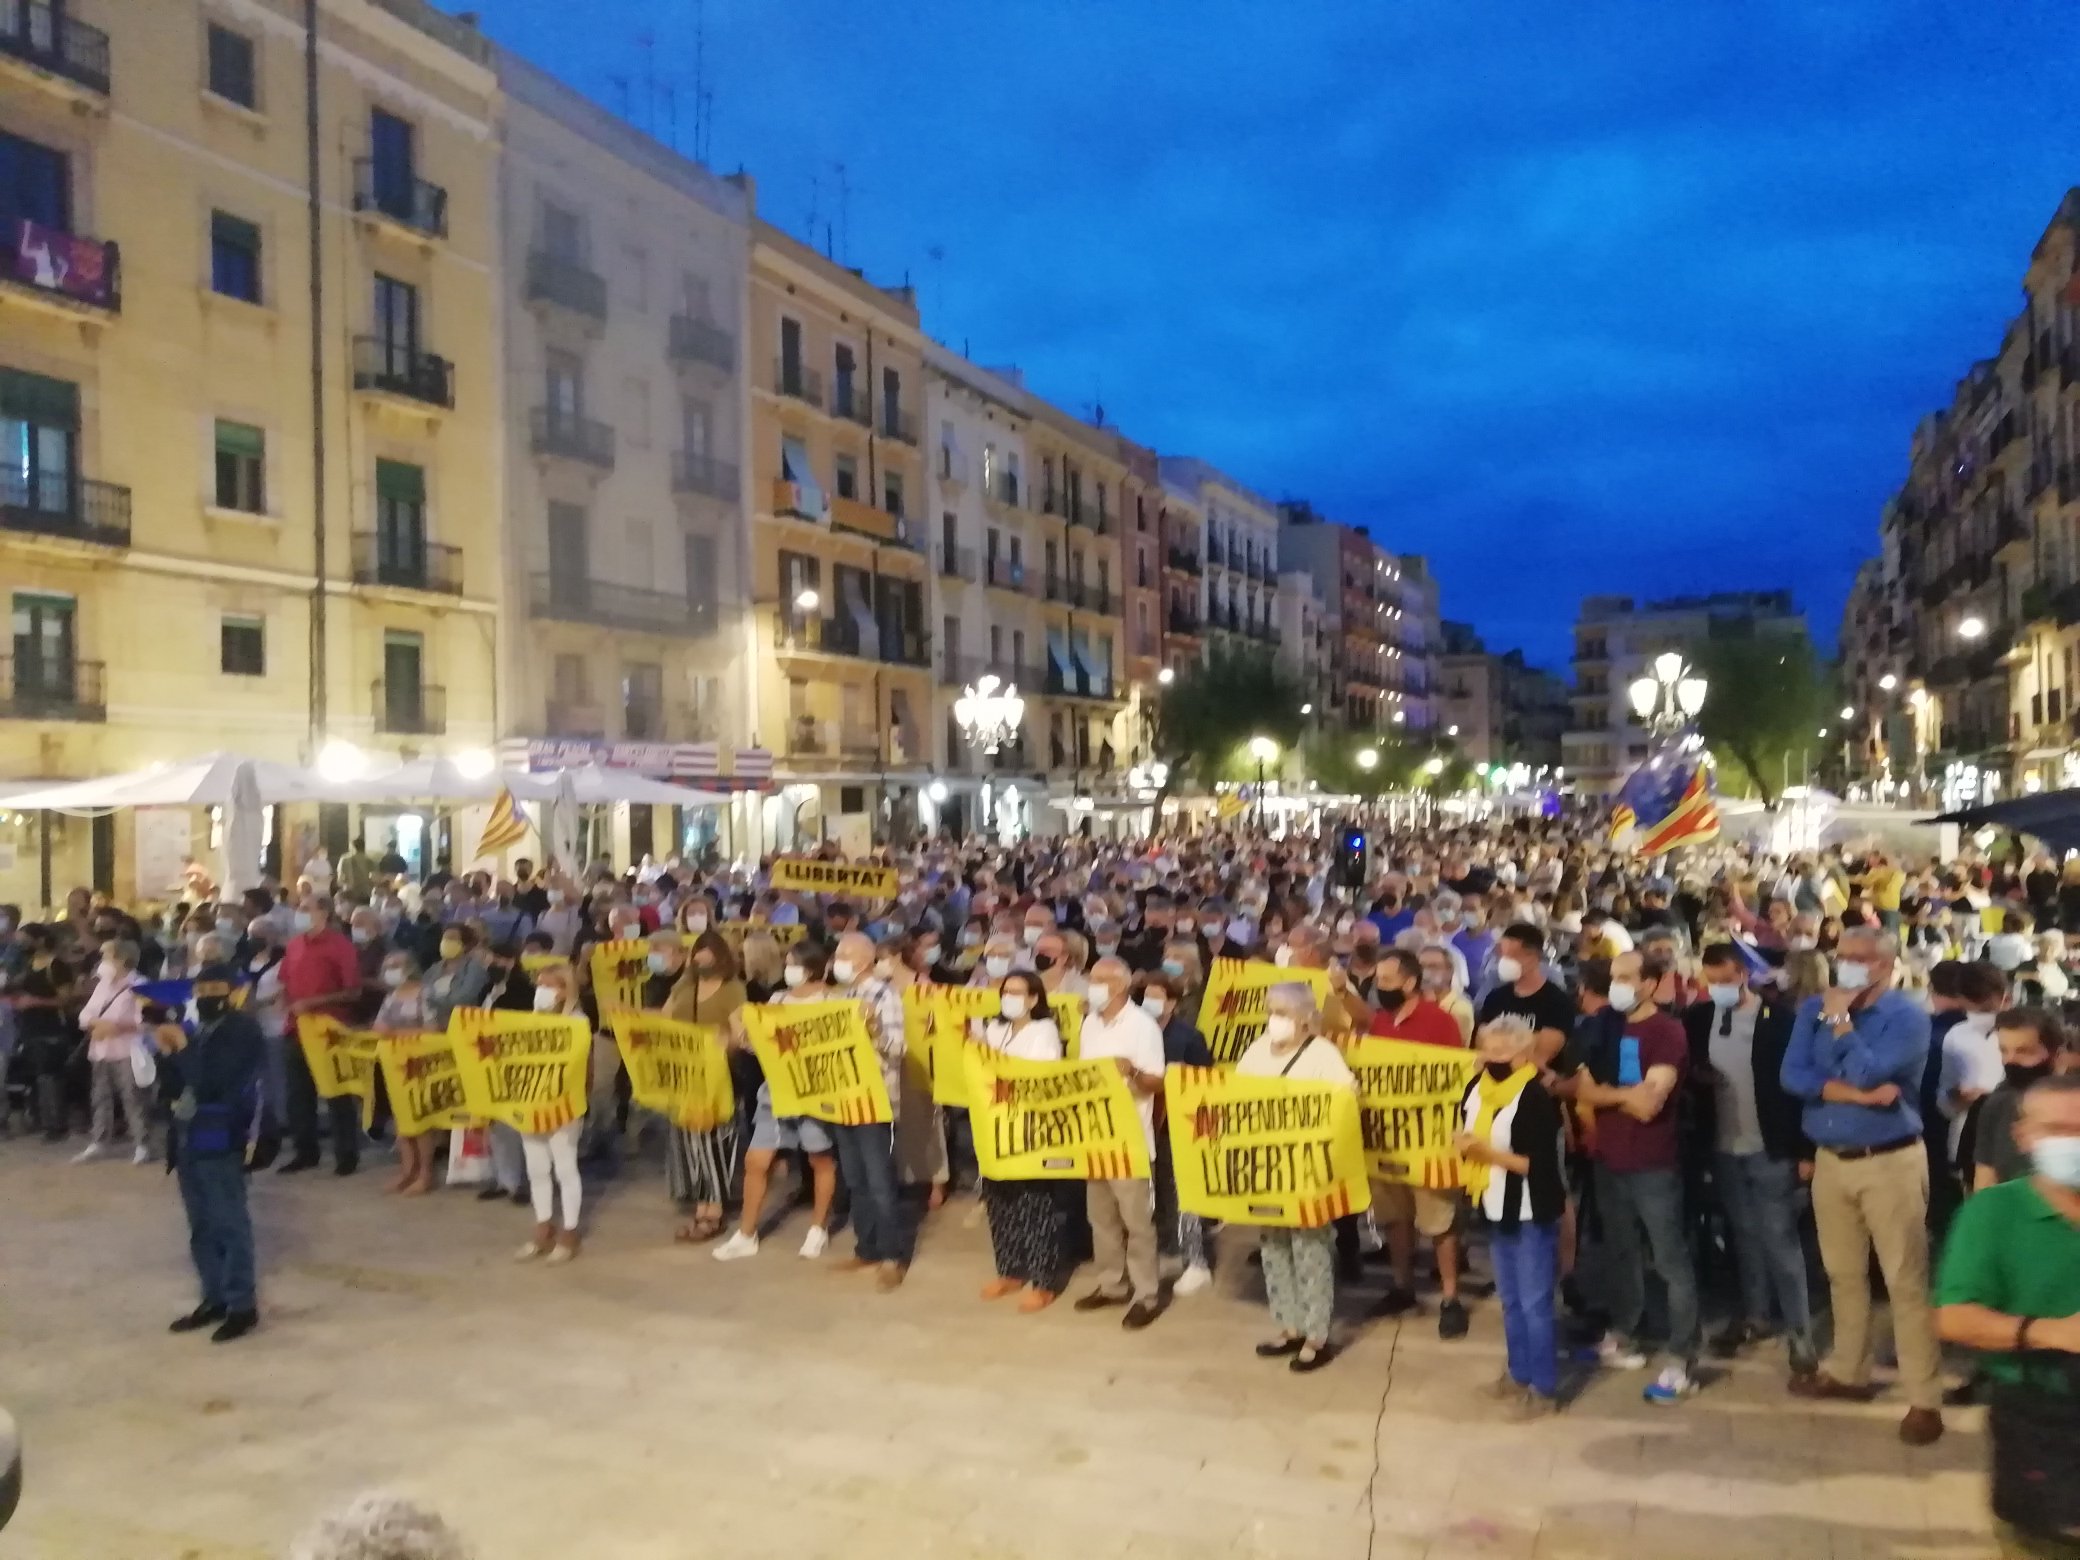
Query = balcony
x=702 y=342
x=1057 y=588
x=704 y=474
x=1076 y=683
x=892 y=644
x=798 y=383
x=1006 y=574
x=41 y=41
x=849 y=401
x=48 y=688
x=1002 y=498
x=604 y=605
x=70 y=509
x=401 y=563
x=957 y=563
x=571 y=437
x=2009 y=529
x=67 y=273
x=1189 y=624
x=858 y=518
x=899 y=425
x=566 y=285
x=1092 y=519
x=398 y=371
x=961 y=671
x=396 y=197
x=577 y=718
x=1184 y=560
x=808 y=737
x=409 y=709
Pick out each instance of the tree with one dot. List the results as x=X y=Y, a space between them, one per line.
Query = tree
x=1205 y=719
x=1766 y=700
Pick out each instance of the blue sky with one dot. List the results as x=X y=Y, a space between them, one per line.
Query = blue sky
x=1630 y=296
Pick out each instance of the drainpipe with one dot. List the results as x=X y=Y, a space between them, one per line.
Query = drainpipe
x=318 y=689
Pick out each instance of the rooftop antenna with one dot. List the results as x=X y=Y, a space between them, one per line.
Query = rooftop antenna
x=844 y=213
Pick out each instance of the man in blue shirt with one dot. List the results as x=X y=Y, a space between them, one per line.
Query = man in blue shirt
x=1855 y=1058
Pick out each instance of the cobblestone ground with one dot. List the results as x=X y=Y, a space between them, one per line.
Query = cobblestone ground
x=647 y=1403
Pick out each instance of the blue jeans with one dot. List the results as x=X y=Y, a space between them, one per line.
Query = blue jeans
x=1527 y=1265
x=867 y=1161
x=220 y=1230
x=1650 y=1201
x=1761 y=1196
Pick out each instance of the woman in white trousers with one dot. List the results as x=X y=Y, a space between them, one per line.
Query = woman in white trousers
x=552 y=1157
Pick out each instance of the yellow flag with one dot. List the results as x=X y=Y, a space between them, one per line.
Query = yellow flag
x=527 y=1070
x=801 y=874
x=819 y=1062
x=342 y=1061
x=619 y=970
x=1048 y=1121
x=505 y=828
x=952 y=1008
x=1410 y=1096
x=677 y=1069
x=423 y=1082
x=1231 y=1014
x=1265 y=1150
x=1231 y=805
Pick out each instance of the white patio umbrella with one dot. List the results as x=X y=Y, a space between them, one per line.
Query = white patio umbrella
x=207 y=781
x=443 y=780
x=560 y=826
x=594 y=784
x=243 y=826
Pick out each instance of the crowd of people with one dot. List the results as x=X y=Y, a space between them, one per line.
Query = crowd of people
x=1701 y=1083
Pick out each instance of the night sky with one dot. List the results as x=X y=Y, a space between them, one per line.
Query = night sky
x=1632 y=296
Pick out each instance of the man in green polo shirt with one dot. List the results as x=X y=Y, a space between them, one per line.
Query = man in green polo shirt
x=2010 y=1287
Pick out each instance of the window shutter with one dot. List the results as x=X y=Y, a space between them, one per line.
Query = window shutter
x=400 y=483
x=240 y=439
x=235 y=231
x=37 y=399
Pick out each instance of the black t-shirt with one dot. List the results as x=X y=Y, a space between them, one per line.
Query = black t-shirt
x=44 y=1023
x=1549 y=1007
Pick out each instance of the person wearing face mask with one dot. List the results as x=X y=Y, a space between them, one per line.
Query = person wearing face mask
x=1441 y=986
x=1000 y=955
x=1143 y=951
x=1123 y=1244
x=1522 y=989
x=320 y=974
x=1509 y=1140
x=112 y=1020
x=1059 y=970
x=1761 y=1156
x=211 y=1083
x=803 y=980
x=562 y=916
x=866 y=1153
x=1965 y=1057
x=2033 y=1046
x=1629 y=1076
x=1029 y=1221
x=403 y=1012
x=1299 y=1265
x=1856 y=1058
x=697 y=1163
x=552 y=1157
x=1180 y=1237
x=2010 y=1289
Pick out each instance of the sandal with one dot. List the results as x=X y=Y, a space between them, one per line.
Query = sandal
x=998 y=1288
x=1038 y=1300
x=698 y=1231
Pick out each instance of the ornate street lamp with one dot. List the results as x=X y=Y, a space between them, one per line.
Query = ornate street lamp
x=990 y=713
x=1264 y=751
x=1669 y=697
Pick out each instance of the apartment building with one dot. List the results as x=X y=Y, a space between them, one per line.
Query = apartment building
x=1183 y=531
x=1418 y=644
x=1616 y=638
x=838 y=544
x=1307 y=644
x=1241 y=552
x=249 y=389
x=1497 y=709
x=1356 y=582
x=626 y=274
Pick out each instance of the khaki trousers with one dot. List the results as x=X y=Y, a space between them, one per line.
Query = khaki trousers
x=1880 y=1202
x=1123 y=1237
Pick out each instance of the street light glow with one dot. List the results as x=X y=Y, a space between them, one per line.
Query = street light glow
x=1368 y=759
x=1848 y=712
x=1263 y=750
x=1434 y=767
x=808 y=600
x=1166 y=677
x=1307 y=709
x=1451 y=731
x=1888 y=682
x=1971 y=628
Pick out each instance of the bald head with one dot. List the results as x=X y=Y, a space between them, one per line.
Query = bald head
x=853 y=956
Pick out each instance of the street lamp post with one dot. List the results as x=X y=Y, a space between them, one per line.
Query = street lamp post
x=989 y=713
x=1668 y=697
x=1264 y=751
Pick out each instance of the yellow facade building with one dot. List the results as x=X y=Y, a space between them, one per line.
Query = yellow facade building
x=208 y=362
x=839 y=626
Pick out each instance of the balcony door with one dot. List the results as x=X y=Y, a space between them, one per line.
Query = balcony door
x=570 y=563
x=391 y=148
x=46 y=649
x=39 y=443
x=35 y=184
x=400 y=523
x=404 y=686
x=397 y=325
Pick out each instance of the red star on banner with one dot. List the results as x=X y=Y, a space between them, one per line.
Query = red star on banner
x=1003 y=1093
x=487 y=1048
x=784 y=1040
x=1202 y=1123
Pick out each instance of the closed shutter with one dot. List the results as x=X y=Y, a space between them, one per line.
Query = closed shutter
x=37 y=399
x=395 y=480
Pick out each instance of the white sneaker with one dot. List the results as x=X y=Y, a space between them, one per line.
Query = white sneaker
x=1192 y=1280
x=814 y=1242
x=738 y=1246
x=529 y=1252
x=143 y=1156
x=89 y=1154
x=1615 y=1353
x=1671 y=1386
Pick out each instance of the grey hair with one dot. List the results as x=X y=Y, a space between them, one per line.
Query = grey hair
x=122 y=950
x=380 y=1527
x=1515 y=1025
x=1293 y=997
x=1887 y=944
x=212 y=948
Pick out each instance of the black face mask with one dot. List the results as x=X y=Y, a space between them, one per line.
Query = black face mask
x=1045 y=961
x=1395 y=995
x=2022 y=1074
x=1500 y=1070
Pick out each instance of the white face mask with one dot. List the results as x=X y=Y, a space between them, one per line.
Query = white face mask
x=697 y=922
x=1032 y=934
x=1279 y=1029
x=1726 y=994
x=1101 y=996
x=547 y=999
x=1509 y=971
x=794 y=975
x=393 y=977
x=1014 y=1004
x=1849 y=975
x=1624 y=996
x=1803 y=944
x=555 y=898
x=843 y=971
x=1978 y=1023
x=1283 y=957
x=1153 y=1006
x=997 y=965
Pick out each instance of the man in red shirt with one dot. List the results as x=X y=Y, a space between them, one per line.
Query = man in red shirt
x=1403 y=1212
x=320 y=974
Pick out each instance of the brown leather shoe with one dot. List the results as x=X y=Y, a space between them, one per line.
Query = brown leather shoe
x=889 y=1277
x=1921 y=1427
x=849 y=1265
x=1821 y=1385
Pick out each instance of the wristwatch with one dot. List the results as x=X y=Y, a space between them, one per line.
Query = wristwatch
x=2022 y=1333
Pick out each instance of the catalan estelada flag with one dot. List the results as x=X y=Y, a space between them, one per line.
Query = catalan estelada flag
x=1693 y=820
x=505 y=828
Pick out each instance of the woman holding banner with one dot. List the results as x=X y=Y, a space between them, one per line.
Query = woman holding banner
x=404 y=1013
x=698 y=1164
x=1299 y=1265
x=552 y=1157
x=1028 y=1220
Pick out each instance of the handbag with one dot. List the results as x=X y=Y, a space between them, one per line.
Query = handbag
x=144 y=1067
x=469 y=1156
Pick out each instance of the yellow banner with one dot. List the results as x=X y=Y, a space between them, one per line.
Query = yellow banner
x=1067 y=1009
x=1409 y=1101
x=342 y=1061
x=734 y=933
x=1231 y=1014
x=423 y=1081
x=535 y=963
x=677 y=1069
x=1265 y=1150
x=1053 y=1121
x=618 y=972
x=951 y=1007
x=802 y=874
x=819 y=1062
x=525 y=1069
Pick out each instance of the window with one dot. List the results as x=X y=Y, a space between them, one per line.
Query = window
x=1140 y=513
x=1018 y=649
x=947 y=456
x=404 y=681
x=46 y=647
x=635 y=263
x=696 y=424
x=563 y=235
x=891 y=403
x=242 y=647
x=701 y=579
x=241 y=467
x=848 y=477
x=397 y=326
x=637 y=394
x=35 y=183
x=892 y=493
x=234 y=257
x=400 y=523
x=791 y=356
x=842 y=389
x=232 y=76
x=989 y=469
x=565 y=384
x=693 y=296
x=642 y=700
x=391 y=149
x=39 y=442
x=996 y=645
x=570 y=564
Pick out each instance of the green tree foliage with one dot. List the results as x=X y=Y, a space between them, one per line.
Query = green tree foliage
x=1767 y=700
x=1205 y=719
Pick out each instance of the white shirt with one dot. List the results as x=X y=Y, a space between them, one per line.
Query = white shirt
x=1318 y=1061
x=1035 y=1040
x=1971 y=1060
x=1135 y=1036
